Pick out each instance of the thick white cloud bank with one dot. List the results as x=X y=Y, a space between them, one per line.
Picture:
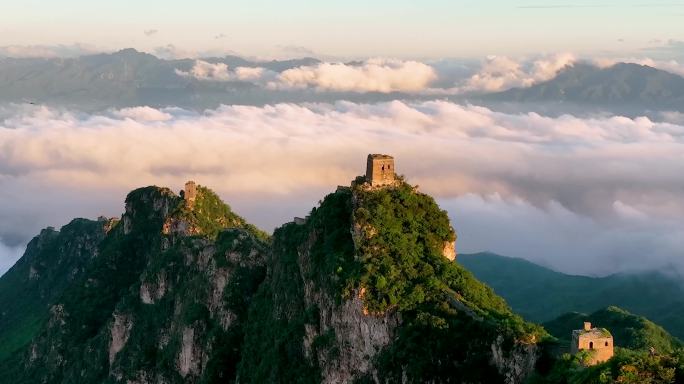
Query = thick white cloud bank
x=590 y=196
x=203 y=70
x=380 y=75
x=206 y=71
x=374 y=75
x=499 y=73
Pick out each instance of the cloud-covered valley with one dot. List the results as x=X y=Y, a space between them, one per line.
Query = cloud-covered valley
x=382 y=75
x=581 y=195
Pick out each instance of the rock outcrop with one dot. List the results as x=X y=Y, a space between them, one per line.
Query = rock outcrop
x=120 y=332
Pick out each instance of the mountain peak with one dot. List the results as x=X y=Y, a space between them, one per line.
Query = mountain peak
x=196 y=211
x=618 y=85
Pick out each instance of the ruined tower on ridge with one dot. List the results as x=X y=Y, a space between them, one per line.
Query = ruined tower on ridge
x=190 y=193
x=598 y=342
x=380 y=170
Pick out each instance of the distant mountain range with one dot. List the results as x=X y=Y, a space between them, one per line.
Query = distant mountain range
x=131 y=78
x=621 y=85
x=540 y=294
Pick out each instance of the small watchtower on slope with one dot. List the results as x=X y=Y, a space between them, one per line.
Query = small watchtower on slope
x=598 y=341
x=190 y=193
x=380 y=170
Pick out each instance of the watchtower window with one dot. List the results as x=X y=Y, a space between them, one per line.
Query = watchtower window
x=591 y=345
x=606 y=343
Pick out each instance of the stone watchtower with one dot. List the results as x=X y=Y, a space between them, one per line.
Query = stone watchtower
x=380 y=170
x=598 y=341
x=190 y=193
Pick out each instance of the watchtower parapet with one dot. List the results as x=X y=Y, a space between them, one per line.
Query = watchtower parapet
x=380 y=170
x=190 y=193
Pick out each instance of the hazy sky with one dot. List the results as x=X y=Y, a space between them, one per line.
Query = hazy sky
x=399 y=28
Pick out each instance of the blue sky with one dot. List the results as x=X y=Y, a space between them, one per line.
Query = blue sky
x=401 y=28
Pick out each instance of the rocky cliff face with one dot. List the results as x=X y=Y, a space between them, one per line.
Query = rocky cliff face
x=364 y=290
x=353 y=336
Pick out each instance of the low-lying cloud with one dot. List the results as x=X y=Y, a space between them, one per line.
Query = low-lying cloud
x=375 y=75
x=496 y=73
x=499 y=73
x=203 y=70
x=580 y=195
x=564 y=240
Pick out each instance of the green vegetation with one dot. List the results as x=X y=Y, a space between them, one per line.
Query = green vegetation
x=400 y=247
x=644 y=353
x=626 y=367
x=52 y=261
x=403 y=236
x=273 y=343
x=98 y=277
x=396 y=261
x=209 y=215
x=202 y=281
x=401 y=256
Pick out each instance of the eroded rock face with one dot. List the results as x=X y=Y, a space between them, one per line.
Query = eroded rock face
x=358 y=338
x=155 y=290
x=188 y=359
x=449 y=250
x=216 y=305
x=120 y=332
x=175 y=226
x=354 y=335
x=516 y=364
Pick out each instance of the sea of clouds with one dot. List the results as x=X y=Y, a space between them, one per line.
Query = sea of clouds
x=580 y=195
x=445 y=77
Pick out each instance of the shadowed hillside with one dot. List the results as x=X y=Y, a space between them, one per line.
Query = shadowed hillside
x=540 y=294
